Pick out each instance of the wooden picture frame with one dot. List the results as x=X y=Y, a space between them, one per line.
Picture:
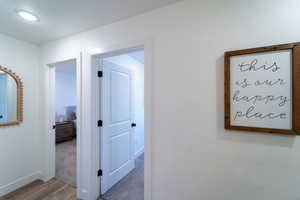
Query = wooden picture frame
x=295 y=88
x=19 y=84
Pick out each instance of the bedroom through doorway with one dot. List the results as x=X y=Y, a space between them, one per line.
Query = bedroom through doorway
x=65 y=122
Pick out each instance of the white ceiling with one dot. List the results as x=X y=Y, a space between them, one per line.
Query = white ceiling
x=59 y=18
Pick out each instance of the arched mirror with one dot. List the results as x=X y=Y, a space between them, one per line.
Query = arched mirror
x=11 y=98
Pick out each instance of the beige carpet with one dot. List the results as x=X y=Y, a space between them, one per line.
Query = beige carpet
x=131 y=187
x=66 y=162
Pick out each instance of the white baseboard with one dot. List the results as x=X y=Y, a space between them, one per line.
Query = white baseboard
x=139 y=153
x=20 y=182
x=82 y=194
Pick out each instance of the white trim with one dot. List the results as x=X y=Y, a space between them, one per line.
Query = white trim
x=50 y=121
x=148 y=51
x=89 y=125
x=20 y=182
x=94 y=138
x=139 y=153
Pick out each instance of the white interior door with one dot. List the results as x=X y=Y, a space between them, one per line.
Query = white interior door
x=117 y=142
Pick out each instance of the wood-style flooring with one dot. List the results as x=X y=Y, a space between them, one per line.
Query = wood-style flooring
x=130 y=187
x=38 y=190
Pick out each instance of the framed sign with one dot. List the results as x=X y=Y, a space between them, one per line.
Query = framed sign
x=262 y=89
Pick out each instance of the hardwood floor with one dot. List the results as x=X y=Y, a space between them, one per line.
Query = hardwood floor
x=129 y=188
x=63 y=187
x=38 y=190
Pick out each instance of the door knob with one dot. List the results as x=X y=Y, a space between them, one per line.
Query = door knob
x=133 y=125
x=1 y=116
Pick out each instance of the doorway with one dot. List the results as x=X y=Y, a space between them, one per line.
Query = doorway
x=64 y=112
x=121 y=99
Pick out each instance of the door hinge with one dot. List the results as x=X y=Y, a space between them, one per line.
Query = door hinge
x=100 y=74
x=133 y=125
x=100 y=123
x=100 y=172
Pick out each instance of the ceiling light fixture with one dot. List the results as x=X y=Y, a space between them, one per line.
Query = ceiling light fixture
x=27 y=16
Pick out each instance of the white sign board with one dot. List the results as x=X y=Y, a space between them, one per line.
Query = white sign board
x=261 y=90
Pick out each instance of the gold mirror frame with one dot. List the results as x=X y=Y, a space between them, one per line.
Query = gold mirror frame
x=19 y=97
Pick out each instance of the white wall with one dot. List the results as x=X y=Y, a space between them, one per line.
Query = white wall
x=137 y=70
x=20 y=145
x=193 y=157
x=65 y=87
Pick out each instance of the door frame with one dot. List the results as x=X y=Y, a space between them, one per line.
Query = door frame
x=95 y=138
x=50 y=121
